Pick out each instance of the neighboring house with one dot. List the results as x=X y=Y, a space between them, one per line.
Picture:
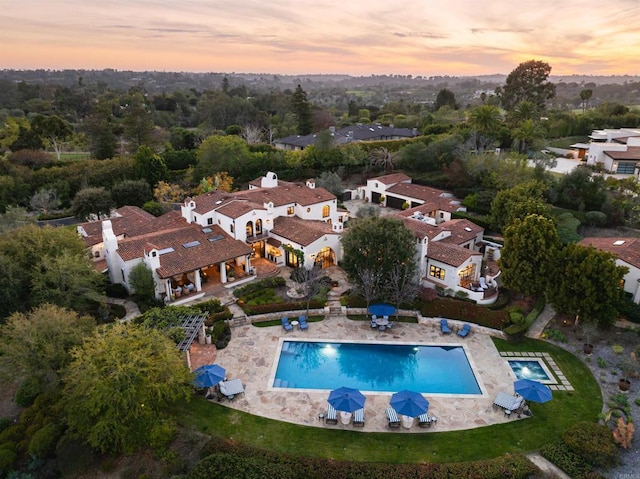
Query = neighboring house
x=627 y=252
x=397 y=191
x=449 y=254
x=618 y=151
x=217 y=233
x=348 y=134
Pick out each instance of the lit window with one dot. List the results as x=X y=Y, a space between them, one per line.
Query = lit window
x=289 y=210
x=436 y=272
x=325 y=211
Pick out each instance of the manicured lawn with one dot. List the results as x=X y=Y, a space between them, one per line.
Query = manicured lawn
x=548 y=422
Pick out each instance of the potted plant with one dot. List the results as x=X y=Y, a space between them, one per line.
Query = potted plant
x=382 y=199
x=629 y=367
x=588 y=328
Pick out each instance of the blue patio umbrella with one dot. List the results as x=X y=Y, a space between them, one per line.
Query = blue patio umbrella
x=209 y=375
x=382 y=309
x=532 y=390
x=409 y=403
x=346 y=399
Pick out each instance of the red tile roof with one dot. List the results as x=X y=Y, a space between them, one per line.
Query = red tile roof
x=127 y=221
x=625 y=249
x=450 y=254
x=303 y=232
x=182 y=259
x=392 y=178
x=461 y=230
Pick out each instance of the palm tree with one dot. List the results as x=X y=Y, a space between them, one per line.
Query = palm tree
x=585 y=95
x=485 y=121
x=525 y=110
x=383 y=158
x=526 y=133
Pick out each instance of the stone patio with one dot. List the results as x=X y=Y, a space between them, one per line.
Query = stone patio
x=251 y=356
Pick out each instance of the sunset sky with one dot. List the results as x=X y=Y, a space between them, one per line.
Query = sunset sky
x=435 y=37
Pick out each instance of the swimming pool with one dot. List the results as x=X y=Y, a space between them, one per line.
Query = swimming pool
x=531 y=369
x=375 y=367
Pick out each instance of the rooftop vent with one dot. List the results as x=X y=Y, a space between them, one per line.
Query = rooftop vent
x=618 y=243
x=466 y=228
x=218 y=202
x=191 y=244
x=217 y=237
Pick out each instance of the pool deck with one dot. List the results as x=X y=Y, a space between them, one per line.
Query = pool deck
x=251 y=356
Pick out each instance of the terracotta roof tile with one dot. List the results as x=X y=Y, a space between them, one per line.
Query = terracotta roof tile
x=127 y=221
x=625 y=249
x=450 y=254
x=392 y=178
x=461 y=230
x=303 y=232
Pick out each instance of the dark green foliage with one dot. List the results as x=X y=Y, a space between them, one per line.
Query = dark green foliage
x=302 y=110
x=92 y=201
x=177 y=160
x=628 y=309
x=28 y=391
x=131 y=193
x=116 y=290
x=596 y=218
x=149 y=166
x=162 y=433
x=7 y=458
x=275 y=282
x=232 y=460
x=73 y=456
x=593 y=443
x=466 y=311
x=527 y=82
x=143 y=284
x=43 y=442
x=562 y=456
x=154 y=208
x=445 y=97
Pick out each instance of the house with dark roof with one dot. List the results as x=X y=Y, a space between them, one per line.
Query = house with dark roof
x=348 y=134
x=617 y=150
x=627 y=253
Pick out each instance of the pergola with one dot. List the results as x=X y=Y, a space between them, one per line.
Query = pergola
x=191 y=324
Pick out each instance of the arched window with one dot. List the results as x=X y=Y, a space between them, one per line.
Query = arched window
x=249 y=229
x=258 y=227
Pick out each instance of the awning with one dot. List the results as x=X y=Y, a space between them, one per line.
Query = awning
x=274 y=242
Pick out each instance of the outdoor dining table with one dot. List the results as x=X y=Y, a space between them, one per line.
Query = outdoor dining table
x=384 y=321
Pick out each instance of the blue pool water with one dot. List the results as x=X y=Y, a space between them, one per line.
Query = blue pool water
x=524 y=369
x=375 y=367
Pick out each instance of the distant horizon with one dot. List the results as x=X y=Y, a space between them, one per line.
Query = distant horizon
x=219 y=72
x=457 y=38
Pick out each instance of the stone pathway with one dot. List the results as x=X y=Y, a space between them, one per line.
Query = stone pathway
x=537 y=328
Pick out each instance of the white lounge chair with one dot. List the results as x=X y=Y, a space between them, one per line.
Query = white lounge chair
x=483 y=283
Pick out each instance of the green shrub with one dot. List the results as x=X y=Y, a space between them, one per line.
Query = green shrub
x=593 y=443
x=43 y=442
x=601 y=362
x=7 y=459
x=504 y=298
x=73 y=456
x=213 y=306
x=161 y=435
x=28 y=391
x=563 y=457
x=276 y=282
x=555 y=335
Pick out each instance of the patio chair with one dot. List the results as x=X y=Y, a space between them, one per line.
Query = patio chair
x=444 y=326
x=358 y=418
x=302 y=323
x=390 y=325
x=332 y=415
x=392 y=417
x=483 y=283
x=382 y=327
x=464 y=332
x=424 y=420
x=374 y=324
x=286 y=324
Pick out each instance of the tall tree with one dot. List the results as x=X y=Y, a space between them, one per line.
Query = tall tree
x=518 y=202
x=92 y=201
x=120 y=385
x=100 y=129
x=529 y=81
x=586 y=284
x=143 y=284
x=302 y=109
x=150 y=166
x=137 y=123
x=221 y=153
x=585 y=96
x=131 y=193
x=53 y=129
x=401 y=286
x=484 y=120
x=377 y=245
x=526 y=134
x=37 y=344
x=445 y=97
x=384 y=159
x=530 y=247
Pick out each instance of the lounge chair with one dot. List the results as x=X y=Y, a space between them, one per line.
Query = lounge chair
x=483 y=283
x=509 y=403
x=424 y=420
x=302 y=323
x=332 y=415
x=358 y=418
x=286 y=325
x=444 y=326
x=392 y=417
x=464 y=331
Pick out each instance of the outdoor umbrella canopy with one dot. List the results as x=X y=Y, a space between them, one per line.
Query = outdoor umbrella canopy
x=532 y=390
x=346 y=399
x=409 y=403
x=209 y=375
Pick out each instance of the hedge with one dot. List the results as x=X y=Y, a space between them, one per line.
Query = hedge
x=231 y=460
x=275 y=282
x=277 y=307
x=465 y=311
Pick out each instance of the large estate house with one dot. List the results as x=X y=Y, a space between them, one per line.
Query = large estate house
x=617 y=150
x=216 y=236
x=348 y=134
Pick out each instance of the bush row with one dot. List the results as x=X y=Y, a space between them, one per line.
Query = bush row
x=249 y=288
x=277 y=307
x=231 y=460
x=465 y=311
